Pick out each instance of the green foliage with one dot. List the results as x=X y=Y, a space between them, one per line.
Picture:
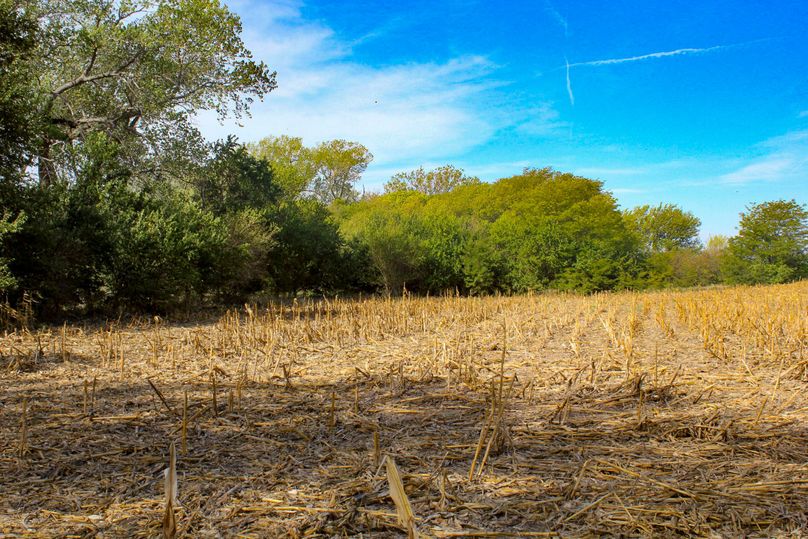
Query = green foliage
x=683 y=268
x=440 y=180
x=164 y=250
x=771 y=245
x=484 y=265
x=441 y=247
x=309 y=251
x=59 y=251
x=97 y=244
x=251 y=236
x=327 y=172
x=132 y=70
x=234 y=180
x=8 y=225
x=385 y=227
x=534 y=231
x=18 y=96
x=393 y=250
x=292 y=164
x=664 y=228
x=338 y=164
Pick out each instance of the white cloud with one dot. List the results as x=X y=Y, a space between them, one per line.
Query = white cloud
x=542 y=120
x=770 y=168
x=403 y=113
x=803 y=114
x=783 y=158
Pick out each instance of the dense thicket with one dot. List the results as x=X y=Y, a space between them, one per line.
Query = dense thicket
x=111 y=200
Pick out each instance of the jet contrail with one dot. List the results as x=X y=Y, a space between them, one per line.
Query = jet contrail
x=569 y=83
x=550 y=8
x=677 y=52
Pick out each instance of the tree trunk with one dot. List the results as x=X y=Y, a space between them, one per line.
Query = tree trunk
x=45 y=168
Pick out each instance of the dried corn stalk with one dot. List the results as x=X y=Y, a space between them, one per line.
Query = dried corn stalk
x=403 y=508
x=169 y=520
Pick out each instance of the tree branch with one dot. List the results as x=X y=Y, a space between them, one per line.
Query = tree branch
x=85 y=78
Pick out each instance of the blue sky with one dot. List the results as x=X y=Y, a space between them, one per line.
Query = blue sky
x=702 y=104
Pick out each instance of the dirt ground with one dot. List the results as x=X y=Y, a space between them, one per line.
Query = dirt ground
x=659 y=414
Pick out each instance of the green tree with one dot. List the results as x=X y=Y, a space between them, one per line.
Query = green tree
x=129 y=69
x=339 y=164
x=443 y=240
x=484 y=265
x=8 y=226
x=238 y=265
x=291 y=163
x=165 y=251
x=234 y=180
x=309 y=249
x=18 y=98
x=440 y=180
x=664 y=228
x=387 y=228
x=537 y=230
x=717 y=243
x=771 y=245
x=59 y=252
x=394 y=250
x=683 y=268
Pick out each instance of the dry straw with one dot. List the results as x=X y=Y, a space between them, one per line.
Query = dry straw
x=654 y=415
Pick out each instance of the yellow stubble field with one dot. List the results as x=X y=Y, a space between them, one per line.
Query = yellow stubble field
x=678 y=413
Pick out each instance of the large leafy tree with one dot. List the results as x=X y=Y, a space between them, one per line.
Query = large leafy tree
x=440 y=180
x=771 y=245
x=291 y=163
x=537 y=230
x=664 y=228
x=339 y=165
x=327 y=172
x=136 y=70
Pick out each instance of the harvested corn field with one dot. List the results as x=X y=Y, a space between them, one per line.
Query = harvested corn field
x=654 y=414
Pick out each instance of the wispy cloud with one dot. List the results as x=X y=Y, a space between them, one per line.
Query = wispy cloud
x=404 y=113
x=782 y=159
x=769 y=168
x=542 y=120
x=649 y=56
x=803 y=114
x=642 y=57
x=380 y=31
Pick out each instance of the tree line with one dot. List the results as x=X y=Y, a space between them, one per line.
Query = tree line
x=111 y=200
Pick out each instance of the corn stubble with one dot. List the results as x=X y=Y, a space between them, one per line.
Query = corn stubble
x=635 y=414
